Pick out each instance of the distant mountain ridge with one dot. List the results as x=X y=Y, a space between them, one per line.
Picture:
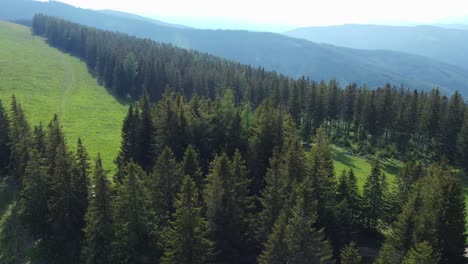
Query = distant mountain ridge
x=132 y=16
x=444 y=44
x=290 y=56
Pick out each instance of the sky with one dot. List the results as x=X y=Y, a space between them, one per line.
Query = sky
x=290 y=13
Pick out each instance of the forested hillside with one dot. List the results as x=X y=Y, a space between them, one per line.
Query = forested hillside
x=442 y=44
x=288 y=56
x=223 y=163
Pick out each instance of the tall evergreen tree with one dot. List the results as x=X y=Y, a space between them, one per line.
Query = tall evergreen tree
x=164 y=184
x=99 y=230
x=136 y=235
x=33 y=211
x=462 y=144
x=350 y=255
x=275 y=249
x=272 y=198
x=323 y=179
x=306 y=244
x=190 y=166
x=64 y=238
x=451 y=125
x=187 y=238
x=422 y=253
x=20 y=140
x=146 y=136
x=80 y=184
x=373 y=198
x=225 y=201
x=130 y=145
x=4 y=142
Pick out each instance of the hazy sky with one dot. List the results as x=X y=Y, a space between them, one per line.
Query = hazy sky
x=290 y=12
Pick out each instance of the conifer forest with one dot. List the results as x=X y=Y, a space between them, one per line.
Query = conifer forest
x=222 y=162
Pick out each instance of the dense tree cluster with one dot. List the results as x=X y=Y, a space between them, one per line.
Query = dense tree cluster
x=214 y=207
x=233 y=165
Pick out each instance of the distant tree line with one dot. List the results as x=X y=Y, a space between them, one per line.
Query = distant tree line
x=395 y=122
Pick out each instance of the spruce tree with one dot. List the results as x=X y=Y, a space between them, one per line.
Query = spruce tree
x=129 y=146
x=190 y=166
x=354 y=199
x=373 y=198
x=272 y=199
x=421 y=253
x=225 y=200
x=350 y=255
x=306 y=244
x=462 y=144
x=39 y=138
x=20 y=140
x=187 y=238
x=33 y=211
x=80 y=184
x=136 y=236
x=165 y=183
x=4 y=142
x=275 y=249
x=323 y=179
x=402 y=235
x=99 y=230
x=146 y=136
x=64 y=238
x=451 y=124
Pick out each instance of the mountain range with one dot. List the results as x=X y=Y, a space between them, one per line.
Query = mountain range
x=443 y=44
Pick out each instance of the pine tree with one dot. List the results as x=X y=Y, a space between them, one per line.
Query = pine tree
x=129 y=146
x=146 y=136
x=267 y=136
x=4 y=142
x=80 y=184
x=187 y=238
x=462 y=144
x=39 y=138
x=373 y=198
x=99 y=230
x=294 y=163
x=306 y=244
x=20 y=140
x=136 y=236
x=165 y=183
x=272 y=198
x=190 y=166
x=451 y=125
x=410 y=173
x=275 y=249
x=323 y=179
x=422 y=253
x=33 y=211
x=65 y=237
x=354 y=199
x=225 y=200
x=401 y=236
x=450 y=217
x=350 y=255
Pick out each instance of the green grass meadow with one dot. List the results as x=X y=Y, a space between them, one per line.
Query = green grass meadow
x=47 y=81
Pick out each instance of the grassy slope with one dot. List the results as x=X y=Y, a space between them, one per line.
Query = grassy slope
x=47 y=81
x=362 y=167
